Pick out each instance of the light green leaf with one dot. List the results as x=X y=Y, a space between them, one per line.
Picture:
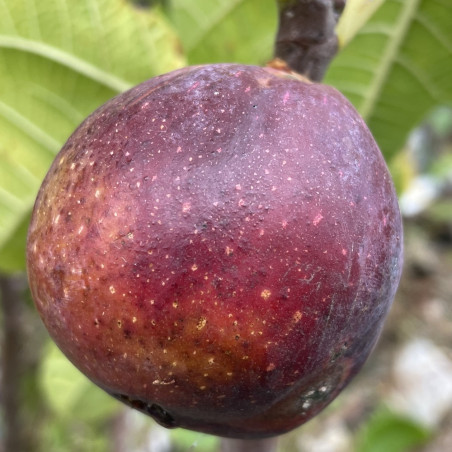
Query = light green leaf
x=69 y=393
x=398 y=67
x=355 y=15
x=59 y=60
x=241 y=31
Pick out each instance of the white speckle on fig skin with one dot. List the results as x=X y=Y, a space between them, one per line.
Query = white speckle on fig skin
x=234 y=234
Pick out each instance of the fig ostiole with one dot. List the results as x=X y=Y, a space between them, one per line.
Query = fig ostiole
x=218 y=247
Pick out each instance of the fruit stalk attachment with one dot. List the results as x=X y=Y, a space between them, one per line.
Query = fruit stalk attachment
x=306 y=40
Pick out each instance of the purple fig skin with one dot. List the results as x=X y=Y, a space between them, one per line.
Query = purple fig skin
x=218 y=247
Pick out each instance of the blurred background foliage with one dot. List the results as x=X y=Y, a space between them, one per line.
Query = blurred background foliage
x=60 y=59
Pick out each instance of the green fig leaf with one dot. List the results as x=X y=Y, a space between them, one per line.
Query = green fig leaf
x=69 y=393
x=398 y=67
x=388 y=431
x=60 y=60
x=211 y=31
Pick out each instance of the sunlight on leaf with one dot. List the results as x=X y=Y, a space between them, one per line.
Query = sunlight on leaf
x=241 y=31
x=355 y=15
x=59 y=60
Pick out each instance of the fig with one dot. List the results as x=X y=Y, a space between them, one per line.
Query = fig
x=218 y=247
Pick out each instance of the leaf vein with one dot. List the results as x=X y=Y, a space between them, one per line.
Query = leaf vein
x=435 y=32
x=66 y=59
x=407 y=14
x=420 y=76
x=29 y=128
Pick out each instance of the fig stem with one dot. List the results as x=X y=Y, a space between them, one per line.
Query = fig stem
x=306 y=39
x=249 y=445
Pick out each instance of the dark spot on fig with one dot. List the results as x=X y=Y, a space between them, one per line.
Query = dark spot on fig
x=57 y=276
x=284 y=293
x=127 y=333
x=159 y=414
x=340 y=351
x=201 y=227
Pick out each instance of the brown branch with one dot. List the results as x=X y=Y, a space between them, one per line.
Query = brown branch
x=306 y=38
x=21 y=342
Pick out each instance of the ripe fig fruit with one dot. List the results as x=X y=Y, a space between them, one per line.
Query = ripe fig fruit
x=218 y=247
